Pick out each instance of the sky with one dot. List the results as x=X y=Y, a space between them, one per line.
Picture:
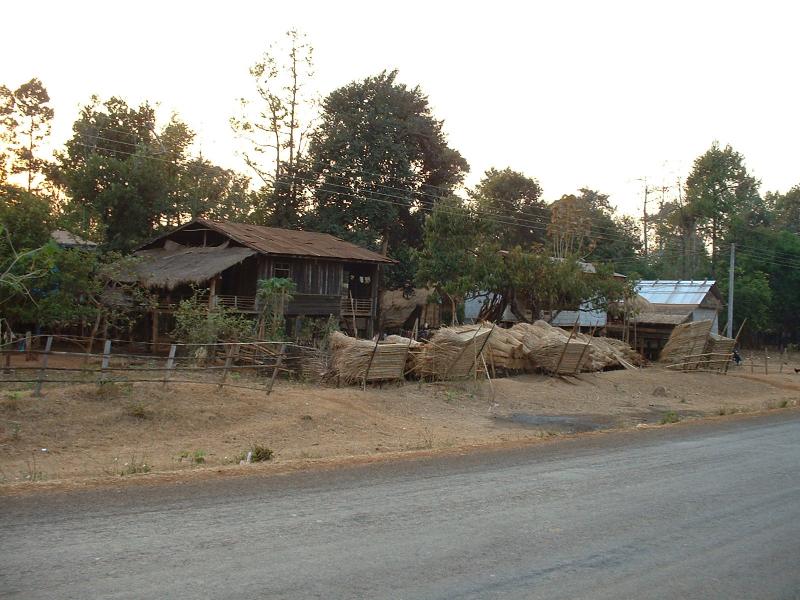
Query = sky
x=576 y=94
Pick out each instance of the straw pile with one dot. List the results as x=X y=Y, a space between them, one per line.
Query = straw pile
x=543 y=346
x=453 y=352
x=414 y=350
x=686 y=345
x=504 y=351
x=720 y=351
x=352 y=359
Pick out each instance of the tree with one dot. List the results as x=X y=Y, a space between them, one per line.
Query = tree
x=379 y=159
x=752 y=299
x=25 y=216
x=25 y=117
x=719 y=190
x=787 y=208
x=530 y=283
x=275 y=131
x=209 y=191
x=513 y=203
x=122 y=172
x=570 y=227
x=448 y=258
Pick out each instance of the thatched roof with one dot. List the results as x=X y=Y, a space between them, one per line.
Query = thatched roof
x=176 y=265
x=282 y=242
x=660 y=318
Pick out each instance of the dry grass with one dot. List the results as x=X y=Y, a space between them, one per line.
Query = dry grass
x=86 y=432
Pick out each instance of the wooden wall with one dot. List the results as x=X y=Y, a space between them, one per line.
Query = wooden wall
x=310 y=275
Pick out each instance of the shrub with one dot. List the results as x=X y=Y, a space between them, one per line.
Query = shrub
x=670 y=417
x=260 y=453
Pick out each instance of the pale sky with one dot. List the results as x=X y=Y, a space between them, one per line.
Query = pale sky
x=595 y=94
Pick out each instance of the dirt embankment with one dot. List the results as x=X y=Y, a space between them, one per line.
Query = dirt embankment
x=77 y=431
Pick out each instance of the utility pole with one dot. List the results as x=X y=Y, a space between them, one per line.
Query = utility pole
x=730 y=291
x=644 y=214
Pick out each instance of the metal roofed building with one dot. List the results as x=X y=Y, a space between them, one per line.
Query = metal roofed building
x=691 y=300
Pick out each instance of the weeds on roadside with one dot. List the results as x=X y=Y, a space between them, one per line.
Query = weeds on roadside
x=670 y=417
x=138 y=411
x=34 y=472
x=135 y=466
x=11 y=402
x=14 y=427
x=256 y=453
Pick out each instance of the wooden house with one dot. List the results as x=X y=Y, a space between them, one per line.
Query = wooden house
x=333 y=277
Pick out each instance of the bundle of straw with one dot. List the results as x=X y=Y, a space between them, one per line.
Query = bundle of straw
x=454 y=352
x=355 y=361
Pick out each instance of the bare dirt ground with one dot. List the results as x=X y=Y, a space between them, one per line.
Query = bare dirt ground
x=78 y=432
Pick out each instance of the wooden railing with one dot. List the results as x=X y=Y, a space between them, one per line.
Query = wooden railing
x=359 y=307
x=242 y=303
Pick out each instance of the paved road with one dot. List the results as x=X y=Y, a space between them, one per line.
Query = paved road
x=695 y=511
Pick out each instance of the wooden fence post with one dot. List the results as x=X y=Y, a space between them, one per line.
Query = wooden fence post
x=170 y=363
x=752 y=363
x=28 y=347
x=48 y=345
x=766 y=362
x=228 y=360
x=277 y=368
x=106 y=359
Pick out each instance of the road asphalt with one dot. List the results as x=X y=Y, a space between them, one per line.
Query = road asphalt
x=706 y=510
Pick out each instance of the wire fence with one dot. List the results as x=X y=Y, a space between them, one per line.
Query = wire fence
x=255 y=365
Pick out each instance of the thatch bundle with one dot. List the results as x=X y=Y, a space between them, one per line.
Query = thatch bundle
x=354 y=361
x=504 y=351
x=414 y=349
x=686 y=345
x=544 y=346
x=719 y=350
x=454 y=352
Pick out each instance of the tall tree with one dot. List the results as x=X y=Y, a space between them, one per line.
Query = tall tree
x=122 y=171
x=719 y=190
x=513 y=203
x=787 y=208
x=26 y=120
x=379 y=159
x=570 y=228
x=277 y=128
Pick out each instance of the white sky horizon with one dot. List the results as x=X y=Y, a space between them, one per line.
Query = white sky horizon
x=584 y=94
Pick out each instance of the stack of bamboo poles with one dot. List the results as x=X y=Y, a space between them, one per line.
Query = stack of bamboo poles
x=686 y=346
x=360 y=361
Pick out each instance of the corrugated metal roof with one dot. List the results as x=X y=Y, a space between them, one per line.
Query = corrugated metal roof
x=688 y=293
x=68 y=239
x=587 y=316
x=272 y=240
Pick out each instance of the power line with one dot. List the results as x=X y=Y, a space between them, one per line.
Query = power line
x=490 y=217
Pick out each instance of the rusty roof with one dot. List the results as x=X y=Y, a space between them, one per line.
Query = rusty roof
x=289 y=242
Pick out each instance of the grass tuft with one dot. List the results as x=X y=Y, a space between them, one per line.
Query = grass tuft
x=670 y=417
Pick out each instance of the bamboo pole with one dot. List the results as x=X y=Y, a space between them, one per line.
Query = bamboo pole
x=369 y=364
x=40 y=377
x=170 y=364
x=228 y=361
x=106 y=358
x=564 y=351
x=275 y=370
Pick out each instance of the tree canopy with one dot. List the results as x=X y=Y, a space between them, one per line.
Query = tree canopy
x=378 y=160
